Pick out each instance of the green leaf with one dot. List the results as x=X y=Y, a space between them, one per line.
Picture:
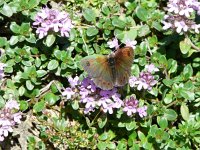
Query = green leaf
x=141 y=136
x=14 y=40
x=33 y=3
x=25 y=28
x=131 y=138
x=187 y=94
x=130 y=126
x=51 y=98
x=15 y=28
x=111 y=145
x=168 y=98
x=21 y=90
x=118 y=23
x=103 y=136
x=106 y=10
x=153 y=40
x=162 y=122
x=91 y=31
x=170 y=114
x=189 y=85
x=168 y=82
x=135 y=70
x=3 y=41
x=55 y=87
x=172 y=66
x=185 y=46
x=29 y=85
x=143 y=31
x=163 y=60
x=141 y=13
x=195 y=64
x=89 y=15
x=53 y=64
x=38 y=62
x=187 y=71
x=2 y=102
x=7 y=10
x=130 y=35
x=135 y=147
x=121 y=145
x=101 y=145
x=102 y=121
x=39 y=106
x=23 y=105
x=121 y=124
x=75 y=105
x=185 y=112
x=58 y=54
x=119 y=34
x=41 y=73
x=157 y=25
x=50 y=40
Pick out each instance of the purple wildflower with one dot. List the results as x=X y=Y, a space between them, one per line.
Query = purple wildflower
x=68 y=92
x=48 y=20
x=107 y=100
x=113 y=43
x=145 y=80
x=130 y=106
x=179 y=15
x=151 y=68
x=9 y=118
x=142 y=111
x=131 y=43
x=73 y=82
x=92 y=96
x=96 y=98
x=12 y=104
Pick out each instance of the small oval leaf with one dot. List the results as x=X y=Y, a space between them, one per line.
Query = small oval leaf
x=185 y=111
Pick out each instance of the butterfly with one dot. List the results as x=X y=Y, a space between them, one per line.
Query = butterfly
x=108 y=71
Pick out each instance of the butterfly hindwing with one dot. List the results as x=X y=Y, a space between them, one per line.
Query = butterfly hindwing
x=98 y=68
x=123 y=62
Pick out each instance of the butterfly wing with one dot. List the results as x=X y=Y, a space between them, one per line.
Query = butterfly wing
x=98 y=68
x=123 y=62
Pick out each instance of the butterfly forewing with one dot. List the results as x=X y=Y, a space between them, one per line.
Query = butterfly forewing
x=92 y=66
x=123 y=62
x=98 y=68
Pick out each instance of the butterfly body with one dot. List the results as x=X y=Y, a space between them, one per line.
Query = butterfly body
x=111 y=70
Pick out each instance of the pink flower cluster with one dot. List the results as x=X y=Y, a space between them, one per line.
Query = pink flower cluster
x=179 y=17
x=52 y=20
x=114 y=43
x=145 y=80
x=131 y=107
x=96 y=98
x=9 y=118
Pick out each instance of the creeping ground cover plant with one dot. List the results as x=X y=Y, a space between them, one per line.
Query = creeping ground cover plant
x=100 y=74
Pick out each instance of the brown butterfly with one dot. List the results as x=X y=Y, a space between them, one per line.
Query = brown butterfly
x=111 y=70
